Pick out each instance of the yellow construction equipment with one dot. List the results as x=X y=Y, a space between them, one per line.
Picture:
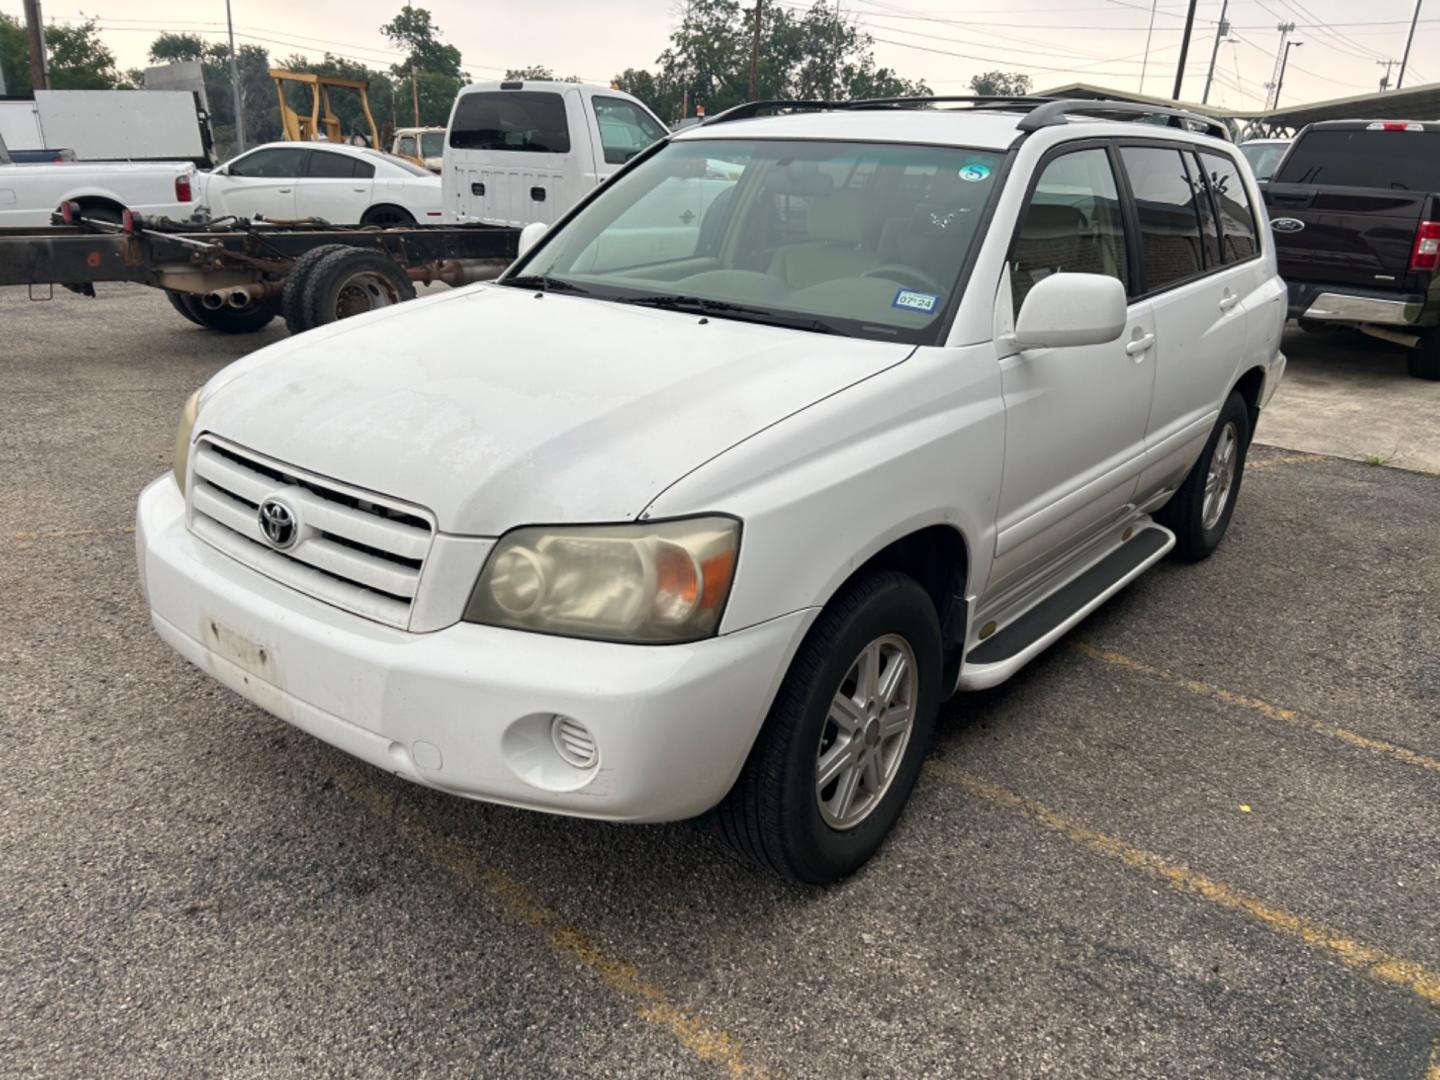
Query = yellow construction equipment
x=322 y=125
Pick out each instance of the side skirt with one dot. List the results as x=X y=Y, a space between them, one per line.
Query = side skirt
x=1029 y=632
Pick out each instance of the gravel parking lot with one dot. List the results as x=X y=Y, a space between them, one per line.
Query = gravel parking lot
x=1198 y=839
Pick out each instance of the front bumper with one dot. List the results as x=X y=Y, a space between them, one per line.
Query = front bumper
x=468 y=709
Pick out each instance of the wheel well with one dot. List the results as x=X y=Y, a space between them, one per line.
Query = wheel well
x=382 y=208
x=938 y=558
x=98 y=202
x=1249 y=387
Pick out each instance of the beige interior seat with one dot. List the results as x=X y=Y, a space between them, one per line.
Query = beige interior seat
x=833 y=249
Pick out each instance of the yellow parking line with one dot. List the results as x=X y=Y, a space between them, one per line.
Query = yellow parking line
x=1292 y=459
x=1263 y=708
x=1376 y=962
x=650 y=1000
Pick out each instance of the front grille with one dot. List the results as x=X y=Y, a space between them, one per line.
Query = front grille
x=355 y=550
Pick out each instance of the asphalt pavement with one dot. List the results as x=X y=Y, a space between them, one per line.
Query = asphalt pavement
x=1199 y=838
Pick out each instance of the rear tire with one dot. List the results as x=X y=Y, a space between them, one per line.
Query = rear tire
x=353 y=282
x=181 y=302
x=1200 y=512
x=831 y=716
x=1423 y=361
x=292 y=296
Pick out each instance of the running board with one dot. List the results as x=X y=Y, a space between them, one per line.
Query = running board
x=1006 y=652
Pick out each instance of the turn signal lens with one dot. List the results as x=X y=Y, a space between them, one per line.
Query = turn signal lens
x=654 y=582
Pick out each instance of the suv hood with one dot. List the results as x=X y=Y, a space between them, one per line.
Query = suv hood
x=493 y=409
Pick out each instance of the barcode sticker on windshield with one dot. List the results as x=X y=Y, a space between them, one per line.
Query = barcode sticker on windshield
x=911 y=300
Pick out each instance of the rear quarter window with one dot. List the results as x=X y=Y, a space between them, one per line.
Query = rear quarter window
x=1392 y=160
x=1241 y=237
x=522 y=121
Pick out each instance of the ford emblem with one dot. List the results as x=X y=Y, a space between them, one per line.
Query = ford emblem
x=1287 y=225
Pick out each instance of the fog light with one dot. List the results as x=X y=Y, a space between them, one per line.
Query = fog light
x=573 y=742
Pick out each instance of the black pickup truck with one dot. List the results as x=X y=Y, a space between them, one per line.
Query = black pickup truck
x=1355 y=210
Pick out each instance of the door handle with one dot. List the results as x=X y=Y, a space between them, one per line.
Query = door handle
x=1140 y=345
x=1228 y=301
x=286 y=190
x=358 y=190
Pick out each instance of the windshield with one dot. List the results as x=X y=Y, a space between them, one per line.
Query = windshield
x=866 y=240
x=1263 y=157
x=432 y=144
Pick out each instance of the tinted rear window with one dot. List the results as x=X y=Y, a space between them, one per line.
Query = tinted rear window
x=1404 y=160
x=520 y=120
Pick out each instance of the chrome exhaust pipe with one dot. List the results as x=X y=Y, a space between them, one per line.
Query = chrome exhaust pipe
x=239 y=298
x=213 y=301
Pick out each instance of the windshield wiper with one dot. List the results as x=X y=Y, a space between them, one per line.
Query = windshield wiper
x=546 y=283
x=724 y=309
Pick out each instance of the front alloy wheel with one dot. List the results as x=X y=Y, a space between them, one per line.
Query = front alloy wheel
x=842 y=747
x=866 y=731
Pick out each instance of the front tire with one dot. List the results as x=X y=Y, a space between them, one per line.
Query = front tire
x=842 y=747
x=1200 y=511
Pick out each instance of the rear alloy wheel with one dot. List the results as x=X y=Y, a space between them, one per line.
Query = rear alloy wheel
x=352 y=282
x=839 y=754
x=1200 y=512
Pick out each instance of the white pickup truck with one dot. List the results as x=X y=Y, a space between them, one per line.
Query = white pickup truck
x=29 y=194
x=521 y=152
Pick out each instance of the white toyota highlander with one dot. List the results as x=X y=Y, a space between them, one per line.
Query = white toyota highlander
x=709 y=510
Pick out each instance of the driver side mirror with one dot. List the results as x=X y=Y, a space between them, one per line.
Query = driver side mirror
x=1068 y=310
x=529 y=236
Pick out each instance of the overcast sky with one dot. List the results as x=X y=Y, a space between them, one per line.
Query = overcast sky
x=942 y=41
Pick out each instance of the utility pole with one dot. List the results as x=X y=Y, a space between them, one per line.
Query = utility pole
x=1286 y=29
x=235 y=85
x=1400 y=80
x=1184 y=50
x=755 y=57
x=1220 y=33
x=1145 y=63
x=1385 y=79
x=1280 y=83
x=35 y=35
x=415 y=93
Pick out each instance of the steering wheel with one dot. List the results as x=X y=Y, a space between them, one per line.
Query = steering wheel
x=905 y=275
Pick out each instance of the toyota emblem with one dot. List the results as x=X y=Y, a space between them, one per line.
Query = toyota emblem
x=278 y=523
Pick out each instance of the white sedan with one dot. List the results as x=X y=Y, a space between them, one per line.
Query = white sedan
x=345 y=185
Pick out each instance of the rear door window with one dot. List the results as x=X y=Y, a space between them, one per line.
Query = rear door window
x=526 y=121
x=1393 y=160
x=1170 y=243
x=327 y=166
x=1237 y=218
x=1209 y=226
x=625 y=128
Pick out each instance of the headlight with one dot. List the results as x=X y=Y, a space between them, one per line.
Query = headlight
x=183 y=434
x=654 y=582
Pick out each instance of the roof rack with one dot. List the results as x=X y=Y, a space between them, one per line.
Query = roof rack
x=1042 y=111
x=1058 y=112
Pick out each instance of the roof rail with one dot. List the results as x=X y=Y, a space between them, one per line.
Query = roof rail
x=1058 y=112
x=1043 y=111
x=751 y=109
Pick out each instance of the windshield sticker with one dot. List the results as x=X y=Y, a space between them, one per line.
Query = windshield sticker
x=910 y=300
x=975 y=173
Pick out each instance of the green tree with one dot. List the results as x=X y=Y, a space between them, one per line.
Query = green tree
x=538 y=73
x=14 y=56
x=1001 y=84
x=433 y=65
x=78 y=59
